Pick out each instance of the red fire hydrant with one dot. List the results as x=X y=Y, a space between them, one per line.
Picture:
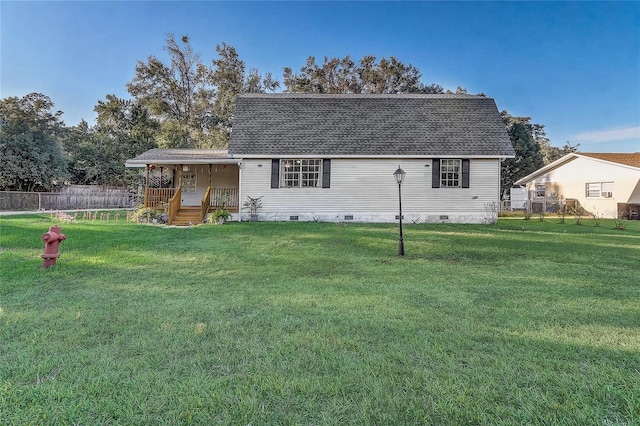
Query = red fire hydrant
x=51 y=240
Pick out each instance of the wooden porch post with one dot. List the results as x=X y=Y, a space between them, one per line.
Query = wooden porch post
x=146 y=187
x=210 y=181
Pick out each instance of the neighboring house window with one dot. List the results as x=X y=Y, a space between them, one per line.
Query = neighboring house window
x=541 y=191
x=450 y=173
x=300 y=173
x=599 y=189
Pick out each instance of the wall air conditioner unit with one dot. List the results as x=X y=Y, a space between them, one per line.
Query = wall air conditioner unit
x=607 y=194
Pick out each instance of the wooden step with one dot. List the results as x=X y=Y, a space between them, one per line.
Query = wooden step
x=187 y=216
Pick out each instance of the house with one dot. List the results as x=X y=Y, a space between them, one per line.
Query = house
x=604 y=184
x=331 y=158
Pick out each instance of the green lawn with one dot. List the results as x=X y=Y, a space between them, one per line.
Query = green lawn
x=523 y=322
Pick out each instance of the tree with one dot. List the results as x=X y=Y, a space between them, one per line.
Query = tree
x=194 y=103
x=549 y=153
x=528 y=156
x=178 y=95
x=32 y=157
x=229 y=77
x=129 y=123
x=78 y=143
x=552 y=153
x=368 y=76
x=123 y=130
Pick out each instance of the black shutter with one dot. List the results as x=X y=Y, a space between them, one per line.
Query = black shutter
x=435 y=173
x=465 y=173
x=326 y=173
x=275 y=173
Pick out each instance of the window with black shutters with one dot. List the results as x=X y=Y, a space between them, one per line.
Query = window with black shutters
x=300 y=173
x=450 y=173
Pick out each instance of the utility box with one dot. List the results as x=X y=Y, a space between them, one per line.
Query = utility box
x=519 y=198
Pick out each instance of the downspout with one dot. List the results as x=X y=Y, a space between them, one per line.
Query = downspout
x=180 y=166
x=239 y=191
x=500 y=184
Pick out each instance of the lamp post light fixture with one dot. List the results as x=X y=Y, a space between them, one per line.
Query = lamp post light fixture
x=399 y=175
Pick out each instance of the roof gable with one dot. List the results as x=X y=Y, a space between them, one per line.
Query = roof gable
x=368 y=125
x=626 y=159
x=619 y=159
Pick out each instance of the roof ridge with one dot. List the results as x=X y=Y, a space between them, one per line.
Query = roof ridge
x=364 y=95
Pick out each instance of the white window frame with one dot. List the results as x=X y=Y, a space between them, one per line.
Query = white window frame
x=541 y=190
x=599 y=189
x=451 y=173
x=301 y=173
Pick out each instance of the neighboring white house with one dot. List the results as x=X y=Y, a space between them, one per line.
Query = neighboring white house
x=332 y=157
x=605 y=184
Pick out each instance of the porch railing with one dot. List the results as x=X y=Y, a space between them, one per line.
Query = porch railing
x=156 y=196
x=174 y=205
x=224 y=196
x=206 y=202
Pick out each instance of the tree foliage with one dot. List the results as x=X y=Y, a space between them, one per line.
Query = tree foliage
x=528 y=155
x=193 y=102
x=337 y=75
x=178 y=94
x=230 y=79
x=32 y=157
x=552 y=153
x=123 y=130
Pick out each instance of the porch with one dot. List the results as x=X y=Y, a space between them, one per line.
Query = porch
x=191 y=182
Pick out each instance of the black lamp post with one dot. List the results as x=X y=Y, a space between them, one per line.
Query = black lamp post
x=399 y=175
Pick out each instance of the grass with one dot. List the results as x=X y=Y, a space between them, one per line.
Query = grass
x=523 y=322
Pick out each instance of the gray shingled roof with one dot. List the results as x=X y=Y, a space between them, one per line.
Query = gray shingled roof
x=368 y=125
x=178 y=156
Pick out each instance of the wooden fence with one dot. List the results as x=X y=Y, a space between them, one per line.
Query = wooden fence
x=69 y=198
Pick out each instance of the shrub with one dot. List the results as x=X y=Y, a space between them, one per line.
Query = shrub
x=219 y=215
x=491 y=213
x=619 y=224
x=596 y=218
x=577 y=213
x=146 y=215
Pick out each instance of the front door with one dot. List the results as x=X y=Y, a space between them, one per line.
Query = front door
x=189 y=181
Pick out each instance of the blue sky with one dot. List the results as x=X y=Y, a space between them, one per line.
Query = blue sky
x=572 y=66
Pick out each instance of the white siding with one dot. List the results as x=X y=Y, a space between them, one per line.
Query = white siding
x=222 y=176
x=366 y=190
x=590 y=169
